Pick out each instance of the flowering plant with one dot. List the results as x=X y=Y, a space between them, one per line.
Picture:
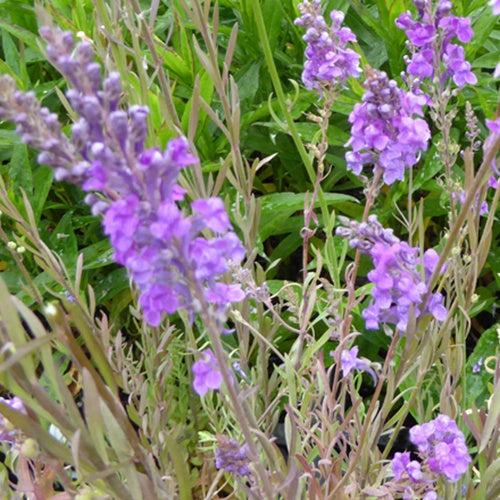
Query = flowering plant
x=219 y=281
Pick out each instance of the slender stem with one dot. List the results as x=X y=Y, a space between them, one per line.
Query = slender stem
x=369 y=413
x=306 y=158
x=481 y=175
x=245 y=419
x=351 y=276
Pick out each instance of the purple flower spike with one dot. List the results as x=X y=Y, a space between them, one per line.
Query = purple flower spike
x=232 y=458
x=206 y=373
x=164 y=250
x=384 y=132
x=398 y=284
x=401 y=463
x=328 y=60
x=430 y=40
x=214 y=213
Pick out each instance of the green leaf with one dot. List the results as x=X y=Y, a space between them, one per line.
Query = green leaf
x=42 y=178
x=26 y=36
x=97 y=255
x=20 y=170
x=177 y=65
x=278 y=207
x=10 y=52
x=63 y=241
x=477 y=383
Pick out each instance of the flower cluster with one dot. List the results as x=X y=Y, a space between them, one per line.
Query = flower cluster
x=442 y=444
x=384 y=132
x=410 y=479
x=442 y=450
x=399 y=286
x=232 y=457
x=172 y=264
x=329 y=61
x=430 y=40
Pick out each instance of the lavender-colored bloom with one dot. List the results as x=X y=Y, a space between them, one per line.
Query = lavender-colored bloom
x=350 y=361
x=165 y=251
x=399 y=286
x=232 y=458
x=430 y=40
x=443 y=446
x=384 y=132
x=430 y=495
x=328 y=60
x=38 y=127
x=483 y=206
x=7 y=432
x=495 y=5
x=206 y=373
x=402 y=463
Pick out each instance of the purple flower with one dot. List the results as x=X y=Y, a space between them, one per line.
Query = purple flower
x=350 y=361
x=495 y=5
x=328 y=60
x=166 y=252
x=430 y=495
x=232 y=458
x=206 y=373
x=401 y=464
x=384 y=132
x=476 y=368
x=443 y=447
x=399 y=286
x=214 y=213
x=430 y=41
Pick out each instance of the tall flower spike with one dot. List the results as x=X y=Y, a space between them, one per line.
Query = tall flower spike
x=384 y=132
x=169 y=259
x=399 y=287
x=328 y=60
x=430 y=40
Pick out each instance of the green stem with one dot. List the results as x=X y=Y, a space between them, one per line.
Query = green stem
x=306 y=158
